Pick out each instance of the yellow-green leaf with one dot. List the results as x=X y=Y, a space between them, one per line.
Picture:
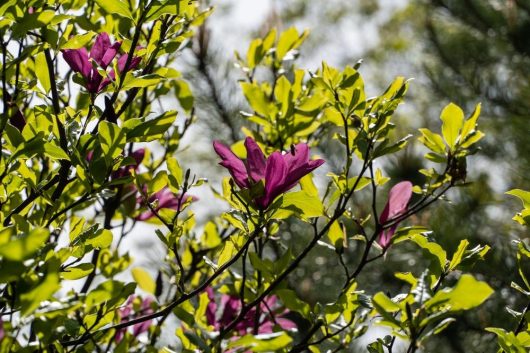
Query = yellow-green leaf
x=452 y=120
x=144 y=280
x=22 y=247
x=466 y=294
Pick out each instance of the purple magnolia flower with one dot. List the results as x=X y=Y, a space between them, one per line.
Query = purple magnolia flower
x=124 y=171
x=166 y=199
x=17 y=119
x=102 y=52
x=126 y=314
x=2 y=333
x=228 y=309
x=279 y=172
x=398 y=200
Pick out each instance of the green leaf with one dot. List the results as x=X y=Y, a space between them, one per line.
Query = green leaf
x=29 y=148
x=386 y=307
x=301 y=203
x=467 y=294
x=459 y=253
x=144 y=280
x=256 y=98
x=54 y=151
x=307 y=184
x=523 y=195
x=335 y=234
x=24 y=246
x=118 y=7
x=142 y=81
x=511 y=343
x=471 y=123
x=273 y=342
x=432 y=141
x=289 y=39
x=452 y=121
x=150 y=130
x=175 y=171
x=101 y=239
x=41 y=70
x=77 y=272
x=416 y=235
x=112 y=140
x=292 y=302
x=79 y=41
x=184 y=95
x=229 y=250
x=31 y=300
x=381 y=300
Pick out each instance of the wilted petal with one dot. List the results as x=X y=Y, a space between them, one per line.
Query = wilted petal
x=100 y=47
x=235 y=166
x=255 y=160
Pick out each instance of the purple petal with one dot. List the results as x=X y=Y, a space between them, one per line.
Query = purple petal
x=298 y=158
x=294 y=176
x=103 y=84
x=398 y=199
x=94 y=81
x=286 y=324
x=266 y=327
x=385 y=236
x=99 y=48
x=255 y=160
x=166 y=199
x=109 y=55
x=275 y=175
x=135 y=62
x=18 y=120
x=77 y=59
x=235 y=166
x=123 y=60
x=231 y=306
x=299 y=165
x=138 y=156
x=211 y=309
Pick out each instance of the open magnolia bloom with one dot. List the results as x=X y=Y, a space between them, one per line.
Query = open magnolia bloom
x=222 y=314
x=398 y=200
x=279 y=172
x=102 y=53
x=127 y=312
x=165 y=199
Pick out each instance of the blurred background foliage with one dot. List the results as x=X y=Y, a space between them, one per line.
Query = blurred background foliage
x=465 y=51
